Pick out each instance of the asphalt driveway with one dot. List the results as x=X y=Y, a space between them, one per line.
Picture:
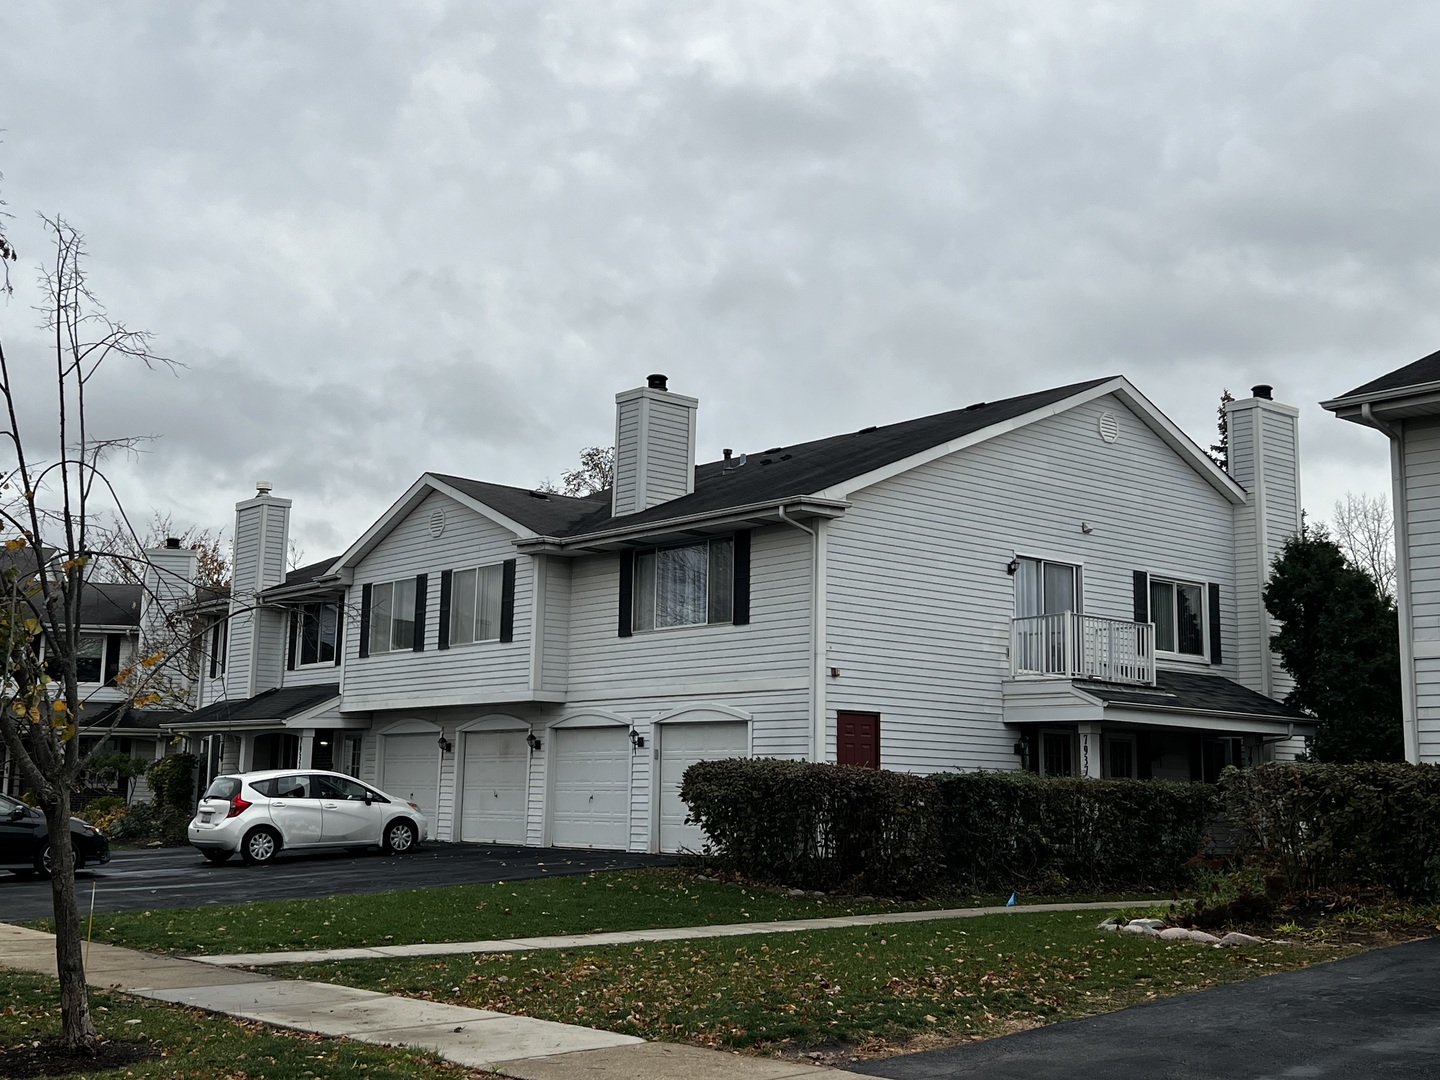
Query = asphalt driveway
x=1376 y=1015
x=179 y=877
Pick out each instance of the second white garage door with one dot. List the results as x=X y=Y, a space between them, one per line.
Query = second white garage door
x=681 y=745
x=410 y=769
x=492 y=799
x=590 y=788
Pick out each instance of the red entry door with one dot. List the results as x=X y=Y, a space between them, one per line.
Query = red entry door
x=858 y=738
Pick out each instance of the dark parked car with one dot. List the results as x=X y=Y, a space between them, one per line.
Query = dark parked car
x=25 y=839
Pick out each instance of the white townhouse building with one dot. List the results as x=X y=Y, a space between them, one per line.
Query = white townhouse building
x=1060 y=581
x=1404 y=405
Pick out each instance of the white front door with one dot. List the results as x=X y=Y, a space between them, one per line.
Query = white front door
x=492 y=797
x=681 y=745
x=410 y=770
x=590 y=789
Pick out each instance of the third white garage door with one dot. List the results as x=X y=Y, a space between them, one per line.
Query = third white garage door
x=590 y=788
x=681 y=745
x=492 y=800
x=410 y=769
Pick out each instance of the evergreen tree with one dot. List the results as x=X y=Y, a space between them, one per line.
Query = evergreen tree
x=1339 y=640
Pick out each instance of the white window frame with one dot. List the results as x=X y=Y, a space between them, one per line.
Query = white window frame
x=651 y=607
x=299 y=615
x=1105 y=743
x=104 y=640
x=388 y=644
x=1075 y=565
x=1072 y=738
x=1203 y=656
x=498 y=570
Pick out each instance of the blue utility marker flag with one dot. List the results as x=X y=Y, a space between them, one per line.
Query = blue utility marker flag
x=1011 y=901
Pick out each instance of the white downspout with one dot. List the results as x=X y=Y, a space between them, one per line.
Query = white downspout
x=1408 y=710
x=817 y=634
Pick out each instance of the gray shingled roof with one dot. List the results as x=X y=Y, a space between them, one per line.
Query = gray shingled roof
x=303 y=575
x=1422 y=371
x=1202 y=693
x=106 y=604
x=277 y=704
x=781 y=473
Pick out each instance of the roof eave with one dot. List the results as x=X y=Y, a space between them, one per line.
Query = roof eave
x=607 y=539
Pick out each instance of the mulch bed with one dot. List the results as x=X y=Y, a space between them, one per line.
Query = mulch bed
x=44 y=1057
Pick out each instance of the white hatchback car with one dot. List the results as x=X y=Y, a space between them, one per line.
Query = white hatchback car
x=259 y=813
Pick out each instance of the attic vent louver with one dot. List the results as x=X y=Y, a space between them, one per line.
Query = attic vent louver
x=1109 y=427
x=437 y=522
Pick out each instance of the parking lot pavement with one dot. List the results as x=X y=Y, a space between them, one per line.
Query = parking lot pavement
x=179 y=877
x=1372 y=1015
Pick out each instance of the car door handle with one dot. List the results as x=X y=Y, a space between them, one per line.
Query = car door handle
x=330 y=805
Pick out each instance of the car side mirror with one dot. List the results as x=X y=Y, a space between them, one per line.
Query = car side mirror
x=17 y=813
x=369 y=799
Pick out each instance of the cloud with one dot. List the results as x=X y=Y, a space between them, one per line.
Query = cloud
x=389 y=238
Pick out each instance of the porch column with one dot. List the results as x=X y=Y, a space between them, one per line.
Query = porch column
x=307 y=748
x=247 y=753
x=1090 y=751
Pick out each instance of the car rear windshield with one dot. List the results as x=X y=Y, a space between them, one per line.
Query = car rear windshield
x=223 y=787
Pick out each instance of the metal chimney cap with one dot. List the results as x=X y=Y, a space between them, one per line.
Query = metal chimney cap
x=263 y=487
x=172 y=543
x=656 y=382
x=1264 y=391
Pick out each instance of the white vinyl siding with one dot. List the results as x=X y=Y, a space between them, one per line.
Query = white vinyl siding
x=500 y=672
x=935 y=542
x=1422 y=545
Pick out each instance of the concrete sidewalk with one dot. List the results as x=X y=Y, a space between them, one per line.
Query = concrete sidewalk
x=628 y=937
x=518 y=1046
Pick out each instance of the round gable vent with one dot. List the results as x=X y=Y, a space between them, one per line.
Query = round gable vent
x=1109 y=427
x=437 y=522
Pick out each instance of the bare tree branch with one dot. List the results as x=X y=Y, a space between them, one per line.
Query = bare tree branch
x=1365 y=532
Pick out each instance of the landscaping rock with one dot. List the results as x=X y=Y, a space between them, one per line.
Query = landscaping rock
x=1153 y=924
x=1109 y=924
x=795 y=892
x=1202 y=938
x=1175 y=933
x=1233 y=938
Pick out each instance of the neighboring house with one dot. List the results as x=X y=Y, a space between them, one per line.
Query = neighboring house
x=1060 y=581
x=1405 y=406
x=118 y=620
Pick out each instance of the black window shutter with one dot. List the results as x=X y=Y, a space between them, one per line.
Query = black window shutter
x=1214 y=623
x=422 y=587
x=112 y=658
x=507 y=600
x=442 y=632
x=365 y=620
x=339 y=633
x=627 y=590
x=294 y=635
x=740 y=609
x=1142 y=596
x=215 y=651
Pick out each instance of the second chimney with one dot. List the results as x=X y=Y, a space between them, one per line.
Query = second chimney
x=654 y=446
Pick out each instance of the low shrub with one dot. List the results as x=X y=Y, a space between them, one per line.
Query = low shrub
x=147 y=823
x=837 y=826
x=1339 y=828
x=100 y=807
x=172 y=781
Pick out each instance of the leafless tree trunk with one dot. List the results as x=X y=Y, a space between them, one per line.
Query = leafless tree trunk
x=48 y=507
x=1365 y=532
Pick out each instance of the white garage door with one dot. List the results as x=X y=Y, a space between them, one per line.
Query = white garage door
x=681 y=745
x=492 y=799
x=590 y=791
x=410 y=769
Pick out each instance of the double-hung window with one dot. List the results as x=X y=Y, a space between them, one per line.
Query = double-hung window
x=317 y=627
x=1177 y=608
x=689 y=585
x=475 y=597
x=89 y=657
x=392 y=615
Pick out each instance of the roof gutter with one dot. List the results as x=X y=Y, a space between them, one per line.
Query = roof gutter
x=815 y=506
x=1381 y=396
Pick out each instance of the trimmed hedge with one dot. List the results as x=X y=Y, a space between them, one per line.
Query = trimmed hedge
x=838 y=826
x=1340 y=827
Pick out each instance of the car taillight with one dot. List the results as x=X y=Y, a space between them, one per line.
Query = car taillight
x=237 y=806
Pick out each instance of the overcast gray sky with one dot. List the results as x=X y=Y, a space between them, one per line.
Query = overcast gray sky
x=392 y=237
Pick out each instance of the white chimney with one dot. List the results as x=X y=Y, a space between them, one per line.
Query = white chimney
x=165 y=627
x=654 y=447
x=256 y=659
x=1264 y=450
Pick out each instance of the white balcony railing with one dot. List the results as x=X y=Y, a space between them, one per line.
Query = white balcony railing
x=1083 y=647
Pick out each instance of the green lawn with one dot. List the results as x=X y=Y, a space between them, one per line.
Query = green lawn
x=964 y=977
x=198 y=1045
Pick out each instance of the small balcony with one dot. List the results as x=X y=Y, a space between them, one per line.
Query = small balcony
x=1075 y=646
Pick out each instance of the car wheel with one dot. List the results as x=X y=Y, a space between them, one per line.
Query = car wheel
x=399 y=837
x=261 y=845
x=217 y=857
x=43 y=861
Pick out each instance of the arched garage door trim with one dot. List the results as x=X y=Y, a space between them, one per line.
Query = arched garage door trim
x=685 y=724
x=564 y=822
x=409 y=728
x=508 y=820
